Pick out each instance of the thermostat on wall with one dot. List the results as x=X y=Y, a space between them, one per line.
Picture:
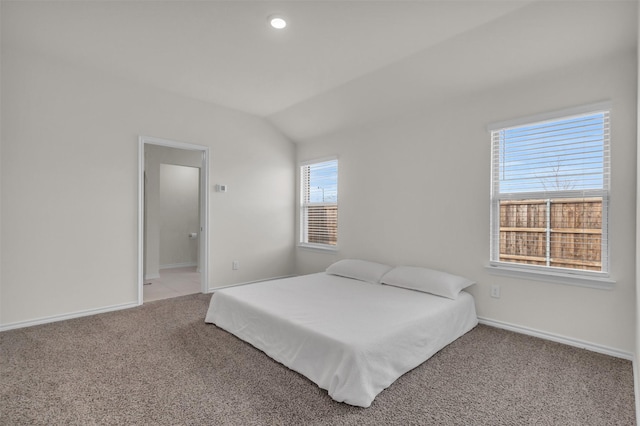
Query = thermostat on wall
x=221 y=188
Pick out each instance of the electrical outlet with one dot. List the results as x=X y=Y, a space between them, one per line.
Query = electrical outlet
x=495 y=291
x=235 y=265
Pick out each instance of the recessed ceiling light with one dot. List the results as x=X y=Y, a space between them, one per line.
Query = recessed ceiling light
x=277 y=22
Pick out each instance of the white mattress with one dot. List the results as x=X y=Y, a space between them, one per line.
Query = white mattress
x=350 y=337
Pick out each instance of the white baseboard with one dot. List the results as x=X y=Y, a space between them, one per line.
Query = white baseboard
x=151 y=277
x=56 y=318
x=557 y=338
x=179 y=265
x=212 y=289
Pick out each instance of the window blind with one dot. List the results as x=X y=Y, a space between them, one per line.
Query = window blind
x=550 y=189
x=319 y=203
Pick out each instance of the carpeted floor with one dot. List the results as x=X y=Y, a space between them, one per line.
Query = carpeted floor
x=161 y=364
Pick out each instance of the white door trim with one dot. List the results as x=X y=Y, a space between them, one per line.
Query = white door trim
x=204 y=218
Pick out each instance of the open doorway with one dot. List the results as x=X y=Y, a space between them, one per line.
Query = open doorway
x=172 y=223
x=173 y=213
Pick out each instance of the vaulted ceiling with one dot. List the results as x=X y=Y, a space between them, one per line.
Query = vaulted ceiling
x=337 y=63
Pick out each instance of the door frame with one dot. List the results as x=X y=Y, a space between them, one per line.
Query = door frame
x=203 y=252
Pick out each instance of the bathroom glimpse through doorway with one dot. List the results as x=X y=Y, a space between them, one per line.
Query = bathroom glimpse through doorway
x=172 y=219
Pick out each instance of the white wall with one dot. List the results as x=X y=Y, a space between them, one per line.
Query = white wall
x=179 y=215
x=69 y=176
x=1 y=196
x=415 y=190
x=636 y=363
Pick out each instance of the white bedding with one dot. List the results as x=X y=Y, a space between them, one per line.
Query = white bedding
x=350 y=337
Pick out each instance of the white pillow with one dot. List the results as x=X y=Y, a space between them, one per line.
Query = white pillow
x=362 y=270
x=426 y=280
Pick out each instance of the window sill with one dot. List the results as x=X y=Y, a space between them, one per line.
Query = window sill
x=318 y=247
x=591 y=281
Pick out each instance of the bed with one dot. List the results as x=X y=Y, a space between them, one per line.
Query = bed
x=346 y=329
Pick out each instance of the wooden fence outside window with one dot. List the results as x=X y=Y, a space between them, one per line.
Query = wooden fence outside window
x=322 y=224
x=565 y=233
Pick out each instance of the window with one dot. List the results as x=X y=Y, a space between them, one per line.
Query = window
x=319 y=204
x=549 y=194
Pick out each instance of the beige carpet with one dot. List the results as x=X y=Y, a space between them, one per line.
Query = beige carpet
x=161 y=364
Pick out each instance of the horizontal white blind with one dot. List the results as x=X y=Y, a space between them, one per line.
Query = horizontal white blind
x=319 y=203
x=550 y=186
x=561 y=155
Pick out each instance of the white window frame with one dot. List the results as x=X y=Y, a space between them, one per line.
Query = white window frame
x=303 y=234
x=593 y=279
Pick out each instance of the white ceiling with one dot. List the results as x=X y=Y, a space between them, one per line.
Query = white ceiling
x=337 y=63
